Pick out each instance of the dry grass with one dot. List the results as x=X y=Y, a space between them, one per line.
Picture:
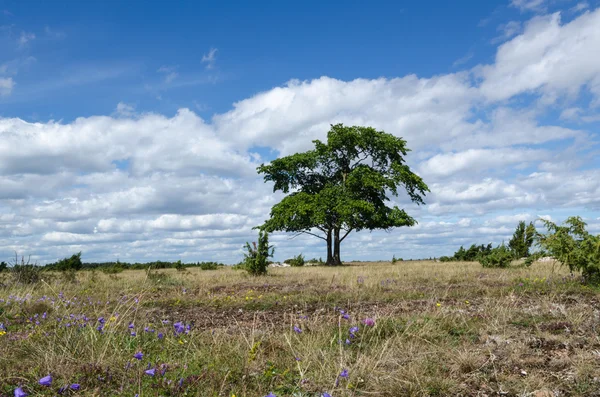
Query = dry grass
x=442 y=329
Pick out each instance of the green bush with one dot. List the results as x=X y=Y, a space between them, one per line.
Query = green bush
x=112 y=269
x=500 y=256
x=296 y=261
x=209 y=265
x=3 y=266
x=256 y=259
x=572 y=246
x=180 y=266
x=522 y=240
x=72 y=263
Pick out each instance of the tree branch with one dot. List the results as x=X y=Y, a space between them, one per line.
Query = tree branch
x=347 y=233
x=312 y=234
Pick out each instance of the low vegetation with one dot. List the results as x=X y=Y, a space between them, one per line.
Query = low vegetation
x=414 y=328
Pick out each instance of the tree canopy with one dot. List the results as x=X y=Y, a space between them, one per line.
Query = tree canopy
x=343 y=185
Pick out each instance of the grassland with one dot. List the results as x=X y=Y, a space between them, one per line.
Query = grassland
x=439 y=329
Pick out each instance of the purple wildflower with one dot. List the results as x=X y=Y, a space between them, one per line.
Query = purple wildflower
x=75 y=386
x=348 y=341
x=131 y=325
x=19 y=392
x=160 y=335
x=271 y=395
x=297 y=330
x=179 y=327
x=325 y=394
x=346 y=316
x=138 y=355
x=344 y=374
x=46 y=381
x=369 y=321
x=101 y=320
x=150 y=372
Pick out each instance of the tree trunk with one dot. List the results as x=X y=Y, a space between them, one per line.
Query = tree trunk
x=329 y=249
x=336 y=248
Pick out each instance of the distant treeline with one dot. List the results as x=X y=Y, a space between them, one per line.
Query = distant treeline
x=469 y=255
x=75 y=263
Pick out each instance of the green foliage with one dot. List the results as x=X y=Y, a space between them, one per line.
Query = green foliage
x=67 y=264
x=343 y=186
x=571 y=245
x=256 y=259
x=500 y=256
x=3 y=266
x=522 y=240
x=114 y=268
x=179 y=266
x=394 y=259
x=474 y=253
x=295 y=261
x=209 y=265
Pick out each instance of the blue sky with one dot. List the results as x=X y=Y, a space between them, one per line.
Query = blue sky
x=87 y=56
x=139 y=125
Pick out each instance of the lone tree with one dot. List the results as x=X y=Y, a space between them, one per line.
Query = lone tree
x=342 y=186
x=522 y=239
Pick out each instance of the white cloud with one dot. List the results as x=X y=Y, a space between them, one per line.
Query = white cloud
x=509 y=30
x=584 y=5
x=548 y=57
x=25 y=38
x=210 y=59
x=144 y=186
x=529 y=5
x=6 y=86
x=478 y=160
x=170 y=73
x=54 y=34
x=124 y=109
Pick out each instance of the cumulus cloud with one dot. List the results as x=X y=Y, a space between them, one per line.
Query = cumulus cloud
x=548 y=57
x=144 y=186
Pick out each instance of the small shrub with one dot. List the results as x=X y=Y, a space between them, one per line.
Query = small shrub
x=68 y=264
x=500 y=256
x=522 y=240
x=3 y=266
x=112 y=269
x=256 y=259
x=572 y=246
x=394 y=259
x=25 y=272
x=296 y=261
x=180 y=266
x=209 y=265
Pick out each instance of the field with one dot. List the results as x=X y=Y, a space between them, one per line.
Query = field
x=415 y=328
